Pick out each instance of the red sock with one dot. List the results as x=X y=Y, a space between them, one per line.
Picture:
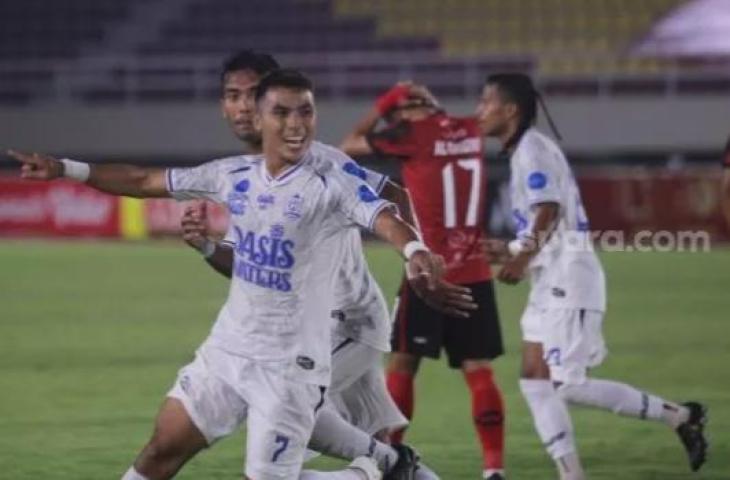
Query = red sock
x=400 y=386
x=488 y=415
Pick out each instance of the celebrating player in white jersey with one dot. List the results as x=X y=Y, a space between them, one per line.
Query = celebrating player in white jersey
x=561 y=325
x=267 y=359
x=361 y=323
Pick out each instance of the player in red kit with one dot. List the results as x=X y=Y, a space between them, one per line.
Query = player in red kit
x=444 y=171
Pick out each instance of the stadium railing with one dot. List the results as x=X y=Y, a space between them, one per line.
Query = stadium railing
x=337 y=76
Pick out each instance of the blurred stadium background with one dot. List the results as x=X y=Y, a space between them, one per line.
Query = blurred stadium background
x=640 y=90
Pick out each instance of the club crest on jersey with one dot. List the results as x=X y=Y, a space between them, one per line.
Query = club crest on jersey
x=237 y=203
x=294 y=207
x=265 y=200
x=537 y=180
x=366 y=194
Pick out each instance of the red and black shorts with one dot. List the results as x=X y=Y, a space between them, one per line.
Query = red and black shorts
x=420 y=330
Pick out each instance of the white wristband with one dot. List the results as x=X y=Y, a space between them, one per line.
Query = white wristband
x=208 y=248
x=515 y=247
x=77 y=170
x=412 y=247
x=520 y=245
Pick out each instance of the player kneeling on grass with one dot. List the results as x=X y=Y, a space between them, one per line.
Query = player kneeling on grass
x=267 y=359
x=562 y=323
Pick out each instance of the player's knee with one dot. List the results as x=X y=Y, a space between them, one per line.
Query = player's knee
x=468 y=366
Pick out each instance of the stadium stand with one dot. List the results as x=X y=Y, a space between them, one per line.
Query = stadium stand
x=72 y=50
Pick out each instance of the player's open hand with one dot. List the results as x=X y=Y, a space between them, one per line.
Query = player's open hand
x=513 y=271
x=194 y=224
x=451 y=299
x=36 y=166
x=425 y=267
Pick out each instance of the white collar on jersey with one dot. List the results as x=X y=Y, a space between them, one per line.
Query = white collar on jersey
x=286 y=175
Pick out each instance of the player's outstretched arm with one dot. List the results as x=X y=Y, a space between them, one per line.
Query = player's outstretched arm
x=514 y=269
x=421 y=262
x=125 y=180
x=447 y=297
x=194 y=224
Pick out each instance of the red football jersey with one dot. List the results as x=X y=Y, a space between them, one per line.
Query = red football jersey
x=444 y=171
x=726 y=155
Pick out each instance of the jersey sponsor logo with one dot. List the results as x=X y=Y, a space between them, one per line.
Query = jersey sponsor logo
x=537 y=180
x=353 y=169
x=261 y=258
x=305 y=362
x=366 y=194
x=265 y=200
x=294 y=207
x=237 y=203
x=467 y=146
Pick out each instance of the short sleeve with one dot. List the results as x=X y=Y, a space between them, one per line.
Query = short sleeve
x=394 y=140
x=539 y=173
x=356 y=199
x=375 y=180
x=204 y=181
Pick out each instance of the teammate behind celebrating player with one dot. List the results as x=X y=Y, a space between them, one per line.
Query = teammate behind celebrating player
x=561 y=325
x=270 y=346
x=443 y=170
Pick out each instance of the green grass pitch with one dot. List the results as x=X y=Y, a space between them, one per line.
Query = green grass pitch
x=92 y=334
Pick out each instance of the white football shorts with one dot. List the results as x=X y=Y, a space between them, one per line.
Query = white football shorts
x=572 y=340
x=221 y=391
x=358 y=388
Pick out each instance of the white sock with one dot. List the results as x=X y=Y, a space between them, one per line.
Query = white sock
x=425 y=473
x=338 y=475
x=491 y=471
x=550 y=415
x=133 y=474
x=333 y=436
x=570 y=468
x=625 y=400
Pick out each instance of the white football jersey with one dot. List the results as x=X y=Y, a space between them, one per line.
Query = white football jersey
x=566 y=273
x=287 y=255
x=360 y=311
